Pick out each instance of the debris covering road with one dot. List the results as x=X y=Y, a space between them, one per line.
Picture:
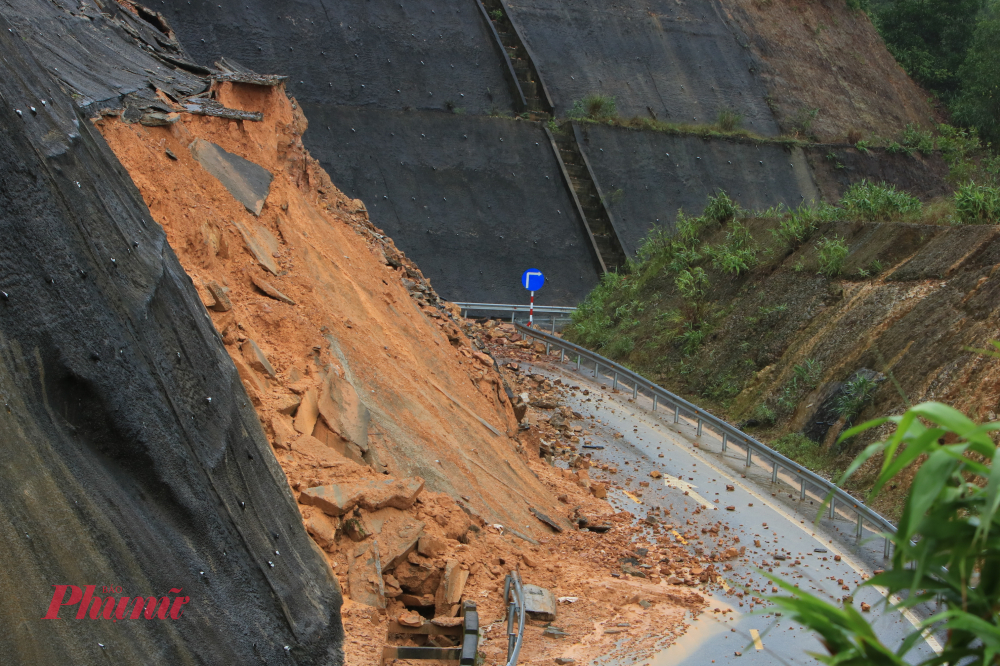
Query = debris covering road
x=681 y=486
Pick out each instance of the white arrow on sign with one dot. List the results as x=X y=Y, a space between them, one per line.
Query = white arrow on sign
x=528 y=274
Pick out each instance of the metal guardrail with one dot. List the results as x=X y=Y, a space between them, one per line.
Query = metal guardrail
x=513 y=594
x=556 y=313
x=728 y=433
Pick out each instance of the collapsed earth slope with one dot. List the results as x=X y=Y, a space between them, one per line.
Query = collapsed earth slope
x=131 y=454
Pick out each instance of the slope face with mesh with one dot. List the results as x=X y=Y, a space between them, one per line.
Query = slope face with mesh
x=682 y=62
x=647 y=177
x=476 y=200
x=418 y=53
x=131 y=455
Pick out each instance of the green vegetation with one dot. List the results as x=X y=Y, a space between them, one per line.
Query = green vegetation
x=496 y=14
x=858 y=391
x=831 y=253
x=978 y=204
x=868 y=201
x=729 y=120
x=950 y=47
x=594 y=107
x=946 y=546
x=803 y=450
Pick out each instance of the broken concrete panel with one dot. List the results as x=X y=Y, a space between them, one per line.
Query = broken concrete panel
x=308 y=412
x=284 y=432
x=320 y=454
x=539 y=603
x=249 y=183
x=270 y=290
x=287 y=404
x=251 y=380
x=343 y=410
x=257 y=359
x=374 y=494
x=364 y=576
x=335 y=442
x=222 y=302
x=258 y=247
x=397 y=534
x=449 y=592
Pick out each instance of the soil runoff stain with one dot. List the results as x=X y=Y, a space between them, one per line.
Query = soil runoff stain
x=766 y=520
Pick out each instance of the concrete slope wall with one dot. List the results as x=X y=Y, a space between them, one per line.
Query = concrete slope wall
x=682 y=61
x=474 y=201
x=417 y=53
x=131 y=454
x=647 y=176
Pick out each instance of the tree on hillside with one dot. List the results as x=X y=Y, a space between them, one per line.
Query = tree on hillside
x=977 y=103
x=930 y=39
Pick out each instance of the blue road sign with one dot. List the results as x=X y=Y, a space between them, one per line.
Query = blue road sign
x=533 y=280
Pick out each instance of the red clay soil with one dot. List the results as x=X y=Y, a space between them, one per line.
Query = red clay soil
x=825 y=56
x=363 y=320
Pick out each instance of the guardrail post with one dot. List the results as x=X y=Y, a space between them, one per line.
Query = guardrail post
x=614 y=385
x=512 y=317
x=562 y=355
x=677 y=413
x=861 y=526
x=655 y=398
x=699 y=428
x=833 y=500
x=635 y=390
x=546 y=348
x=774 y=472
x=725 y=440
x=885 y=553
x=597 y=369
x=553 y=324
x=802 y=491
x=749 y=454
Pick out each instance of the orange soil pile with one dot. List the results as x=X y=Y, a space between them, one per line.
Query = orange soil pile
x=828 y=58
x=359 y=373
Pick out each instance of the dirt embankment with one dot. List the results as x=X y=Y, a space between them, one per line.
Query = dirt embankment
x=365 y=384
x=826 y=57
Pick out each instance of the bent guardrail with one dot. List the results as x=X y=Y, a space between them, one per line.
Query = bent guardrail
x=728 y=433
x=513 y=595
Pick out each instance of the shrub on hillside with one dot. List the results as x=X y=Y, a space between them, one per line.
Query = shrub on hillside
x=831 y=253
x=868 y=201
x=595 y=107
x=978 y=204
x=729 y=120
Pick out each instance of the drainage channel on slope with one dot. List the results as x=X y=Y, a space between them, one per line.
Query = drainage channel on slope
x=531 y=93
x=587 y=194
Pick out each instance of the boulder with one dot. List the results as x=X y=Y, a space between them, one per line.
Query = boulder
x=449 y=593
x=397 y=534
x=432 y=546
x=222 y=302
x=323 y=529
x=420 y=579
x=270 y=290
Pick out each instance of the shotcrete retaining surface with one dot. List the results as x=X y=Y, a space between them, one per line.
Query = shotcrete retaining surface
x=476 y=200
x=680 y=62
x=423 y=54
x=647 y=176
x=131 y=455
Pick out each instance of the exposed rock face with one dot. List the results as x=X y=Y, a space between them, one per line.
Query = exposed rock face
x=131 y=454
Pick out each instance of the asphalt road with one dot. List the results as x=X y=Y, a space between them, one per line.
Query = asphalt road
x=696 y=472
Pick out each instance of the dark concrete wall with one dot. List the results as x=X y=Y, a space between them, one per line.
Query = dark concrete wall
x=357 y=52
x=115 y=467
x=474 y=201
x=647 y=176
x=682 y=60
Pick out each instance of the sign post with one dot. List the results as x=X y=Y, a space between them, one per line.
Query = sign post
x=533 y=280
